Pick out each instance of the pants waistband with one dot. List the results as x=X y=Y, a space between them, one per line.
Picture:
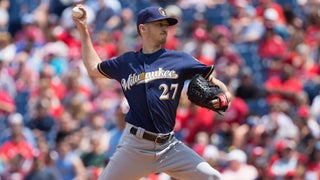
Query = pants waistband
x=157 y=138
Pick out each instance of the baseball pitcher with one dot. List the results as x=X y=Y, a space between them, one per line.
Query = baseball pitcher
x=152 y=80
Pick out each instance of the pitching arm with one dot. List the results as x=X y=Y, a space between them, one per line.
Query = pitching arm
x=90 y=57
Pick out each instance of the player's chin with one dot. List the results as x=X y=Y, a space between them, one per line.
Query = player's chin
x=163 y=41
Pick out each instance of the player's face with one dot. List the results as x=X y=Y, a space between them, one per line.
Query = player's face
x=158 y=31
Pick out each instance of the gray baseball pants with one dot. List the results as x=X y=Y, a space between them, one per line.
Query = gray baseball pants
x=136 y=157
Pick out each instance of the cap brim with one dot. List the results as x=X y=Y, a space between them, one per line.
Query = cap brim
x=171 y=21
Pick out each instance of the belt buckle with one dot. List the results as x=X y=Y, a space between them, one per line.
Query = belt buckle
x=156 y=139
x=160 y=139
x=163 y=139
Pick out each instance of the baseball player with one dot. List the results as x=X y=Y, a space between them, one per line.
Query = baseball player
x=152 y=80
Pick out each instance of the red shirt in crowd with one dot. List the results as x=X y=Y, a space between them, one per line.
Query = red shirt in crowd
x=273 y=46
x=273 y=5
x=236 y=113
x=190 y=121
x=11 y=149
x=7 y=103
x=305 y=69
x=312 y=35
x=292 y=85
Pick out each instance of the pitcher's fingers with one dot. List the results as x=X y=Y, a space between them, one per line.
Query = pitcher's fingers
x=215 y=103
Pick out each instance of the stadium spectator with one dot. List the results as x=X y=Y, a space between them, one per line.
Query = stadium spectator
x=66 y=125
x=247 y=89
x=271 y=46
x=5 y=16
x=105 y=44
x=105 y=99
x=48 y=88
x=314 y=110
x=270 y=4
x=229 y=125
x=42 y=123
x=313 y=168
x=7 y=104
x=96 y=126
x=245 y=27
x=312 y=27
x=309 y=130
x=125 y=34
x=259 y=157
x=285 y=163
x=16 y=126
x=7 y=47
x=41 y=169
x=200 y=45
x=228 y=61
x=284 y=87
x=278 y=123
x=185 y=115
x=68 y=163
x=116 y=132
x=76 y=97
x=238 y=167
x=55 y=55
x=173 y=41
x=7 y=82
x=25 y=82
x=94 y=160
x=105 y=18
x=201 y=142
x=17 y=154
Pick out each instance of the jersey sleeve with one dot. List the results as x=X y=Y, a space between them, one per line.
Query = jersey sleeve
x=116 y=67
x=105 y=67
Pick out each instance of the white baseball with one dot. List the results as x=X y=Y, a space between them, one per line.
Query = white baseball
x=77 y=12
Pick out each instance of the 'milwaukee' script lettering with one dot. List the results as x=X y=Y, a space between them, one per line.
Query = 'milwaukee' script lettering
x=145 y=77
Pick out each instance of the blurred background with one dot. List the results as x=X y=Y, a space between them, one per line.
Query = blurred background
x=57 y=123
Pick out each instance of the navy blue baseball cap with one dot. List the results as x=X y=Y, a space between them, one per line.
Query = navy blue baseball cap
x=154 y=13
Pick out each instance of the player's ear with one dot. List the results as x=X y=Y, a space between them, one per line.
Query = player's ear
x=142 y=27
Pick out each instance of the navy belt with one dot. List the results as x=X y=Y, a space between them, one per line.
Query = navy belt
x=160 y=139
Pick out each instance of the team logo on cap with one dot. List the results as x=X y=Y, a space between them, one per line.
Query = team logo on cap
x=162 y=11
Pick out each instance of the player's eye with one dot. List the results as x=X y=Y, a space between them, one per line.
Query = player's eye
x=162 y=24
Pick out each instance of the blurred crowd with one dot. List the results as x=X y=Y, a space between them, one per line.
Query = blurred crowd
x=57 y=123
